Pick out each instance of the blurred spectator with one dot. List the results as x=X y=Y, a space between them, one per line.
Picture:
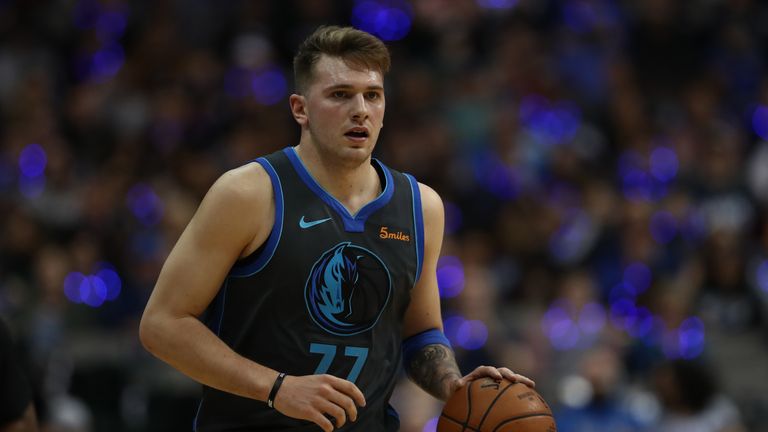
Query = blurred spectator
x=692 y=401
x=17 y=410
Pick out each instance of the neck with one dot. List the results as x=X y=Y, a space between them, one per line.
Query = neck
x=352 y=183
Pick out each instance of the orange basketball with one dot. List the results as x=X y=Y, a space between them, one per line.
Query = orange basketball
x=488 y=405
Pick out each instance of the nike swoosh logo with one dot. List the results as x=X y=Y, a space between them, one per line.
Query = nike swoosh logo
x=304 y=224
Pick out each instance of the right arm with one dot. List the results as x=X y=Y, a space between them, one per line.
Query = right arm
x=234 y=219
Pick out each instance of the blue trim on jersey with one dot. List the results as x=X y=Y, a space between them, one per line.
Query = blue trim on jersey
x=352 y=223
x=277 y=228
x=413 y=344
x=418 y=224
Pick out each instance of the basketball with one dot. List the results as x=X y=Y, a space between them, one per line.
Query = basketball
x=488 y=405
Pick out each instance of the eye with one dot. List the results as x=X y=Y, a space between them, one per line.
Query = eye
x=339 y=94
x=373 y=95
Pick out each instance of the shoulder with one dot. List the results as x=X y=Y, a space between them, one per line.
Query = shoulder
x=431 y=203
x=246 y=185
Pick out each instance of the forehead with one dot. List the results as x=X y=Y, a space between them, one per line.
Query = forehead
x=334 y=71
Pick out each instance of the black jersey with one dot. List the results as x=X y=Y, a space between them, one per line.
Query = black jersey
x=326 y=293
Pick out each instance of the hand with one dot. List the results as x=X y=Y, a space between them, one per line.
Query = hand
x=495 y=373
x=314 y=397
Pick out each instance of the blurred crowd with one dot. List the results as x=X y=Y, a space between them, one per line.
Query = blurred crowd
x=604 y=167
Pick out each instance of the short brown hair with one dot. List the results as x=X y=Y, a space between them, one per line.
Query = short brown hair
x=356 y=47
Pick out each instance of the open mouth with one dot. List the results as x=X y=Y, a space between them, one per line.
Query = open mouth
x=357 y=134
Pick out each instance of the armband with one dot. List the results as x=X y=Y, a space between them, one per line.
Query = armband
x=275 y=388
x=413 y=344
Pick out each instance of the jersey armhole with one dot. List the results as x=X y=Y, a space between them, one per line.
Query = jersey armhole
x=418 y=223
x=256 y=262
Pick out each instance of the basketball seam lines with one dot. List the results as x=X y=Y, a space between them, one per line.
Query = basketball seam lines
x=463 y=425
x=469 y=407
x=490 y=407
x=518 y=418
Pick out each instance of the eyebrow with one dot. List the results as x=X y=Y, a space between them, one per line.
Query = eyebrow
x=349 y=86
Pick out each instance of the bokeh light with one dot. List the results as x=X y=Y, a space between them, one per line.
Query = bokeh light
x=145 y=204
x=762 y=276
x=451 y=326
x=497 y=4
x=551 y=123
x=562 y=331
x=269 y=86
x=760 y=121
x=496 y=177
x=692 y=337
x=32 y=160
x=472 y=334
x=450 y=276
x=388 y=19
x=664 y=164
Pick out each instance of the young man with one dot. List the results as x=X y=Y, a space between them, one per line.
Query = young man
x=316 y=263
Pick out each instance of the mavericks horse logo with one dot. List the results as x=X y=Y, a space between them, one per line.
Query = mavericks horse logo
x=347 y=290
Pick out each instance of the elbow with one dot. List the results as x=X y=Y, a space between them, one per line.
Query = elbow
x=148 y=332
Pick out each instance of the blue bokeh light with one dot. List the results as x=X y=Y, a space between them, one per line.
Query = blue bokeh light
x=145 y=204
x=562 y=331
x=32 y=160
x=550 y=123
x=472 y=334
x=451 y=326
x=72 y=283
x=237 y=83
x=388 y=19
x=622 y=291
x=760 y=121
x=623 y=312
x=664 y=164
x=579 y=16
x=108 y=274
x=106 y=62
x=497 y=4
x=639 y=276
x=762 y=276
x=269 y=86
x=663 y=227
x=450 y=276
x=640 y=323
x=691 y=338
x=93 y=291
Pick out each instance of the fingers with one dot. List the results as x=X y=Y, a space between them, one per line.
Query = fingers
x=349 y=389
x=508 y=374
x=497 y=373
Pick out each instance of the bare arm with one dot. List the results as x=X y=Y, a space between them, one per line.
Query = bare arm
x=434 y=367
x=192 y=275
x=233 y=220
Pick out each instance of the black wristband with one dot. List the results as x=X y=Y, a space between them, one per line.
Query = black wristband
x=275 y=388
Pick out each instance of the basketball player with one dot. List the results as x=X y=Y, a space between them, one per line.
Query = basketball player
x=317 y=267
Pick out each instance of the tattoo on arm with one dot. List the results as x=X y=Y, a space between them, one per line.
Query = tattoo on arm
x=435 y=370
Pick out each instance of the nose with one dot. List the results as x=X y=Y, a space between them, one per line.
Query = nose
x=359 y=107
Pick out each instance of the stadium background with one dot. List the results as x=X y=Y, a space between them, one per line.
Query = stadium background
x=604 y=167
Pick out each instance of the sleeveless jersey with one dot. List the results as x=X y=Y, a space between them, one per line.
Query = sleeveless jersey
x=326 y=293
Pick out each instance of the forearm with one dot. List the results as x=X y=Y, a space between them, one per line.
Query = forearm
x=190 y=347
x=434 y=369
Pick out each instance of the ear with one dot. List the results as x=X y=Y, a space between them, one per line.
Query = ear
x=299 y=108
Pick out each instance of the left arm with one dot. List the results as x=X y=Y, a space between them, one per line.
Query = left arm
x=433 y=367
